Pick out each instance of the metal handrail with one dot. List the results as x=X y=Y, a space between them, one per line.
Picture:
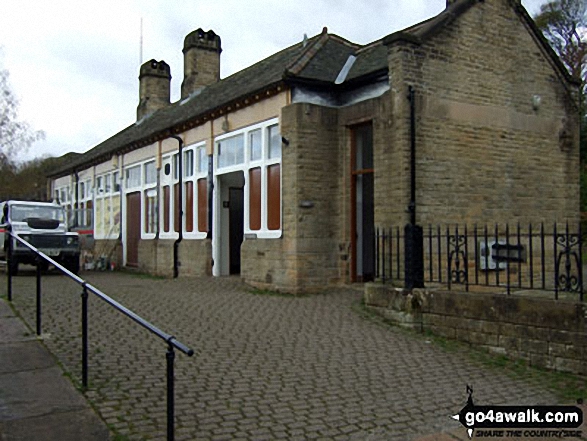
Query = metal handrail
x=171 y=341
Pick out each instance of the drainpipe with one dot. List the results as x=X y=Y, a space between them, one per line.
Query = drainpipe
x=414 y=234
x=210 y=196
x=412 y=206
x=76 y=205
x=180 y=238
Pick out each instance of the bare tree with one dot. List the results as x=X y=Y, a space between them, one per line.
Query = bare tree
x=15 y=136
x=564 y=24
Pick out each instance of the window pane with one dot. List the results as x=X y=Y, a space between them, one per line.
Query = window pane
x=176 y=208
x=188 y=165
x=202 y=205
x=115 y=182
x=133 y=177
x=231 y=151
x=274 y=142
x=202 y=160
x=150 y=173
x=107 y=182
x=151 y=211
x=256 y=145
x=176 y=166
x=166 y=208
x=189 y=207
x=364 y=147
x=255 y=198
x=274 y=197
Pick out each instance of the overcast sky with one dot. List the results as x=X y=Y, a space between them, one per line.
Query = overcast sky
x=74 y=64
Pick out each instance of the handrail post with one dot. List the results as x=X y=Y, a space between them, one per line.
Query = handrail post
x=39 y=305
x=170 y=393
x=9 y=261
x=85 y=338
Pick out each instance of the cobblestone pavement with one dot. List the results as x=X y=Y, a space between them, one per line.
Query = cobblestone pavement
x=266 y=367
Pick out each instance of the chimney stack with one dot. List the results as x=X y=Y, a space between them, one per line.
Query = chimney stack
x=201 y=61
x=154 y=89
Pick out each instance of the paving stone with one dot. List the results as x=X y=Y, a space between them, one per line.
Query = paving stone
x=309 y=367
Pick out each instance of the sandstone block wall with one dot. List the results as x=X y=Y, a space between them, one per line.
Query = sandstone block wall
x=485 y=153
x=156 y=257
x=546 y=333
x=314 y=252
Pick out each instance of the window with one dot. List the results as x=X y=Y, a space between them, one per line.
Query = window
x=202 y=160
x=176 y=166
x=84 y=212
x=150 y=173
x=274 y=197
x=166 y=208
x=107 y=183
x=106 y=209
x=133 y=177
x=260 y=161
x=255 y=199
x=189 y=206
x=188 y=164
x=274 y=142
x=151 y=211
x=115 y=182
x=256 y=144
x=231 y=151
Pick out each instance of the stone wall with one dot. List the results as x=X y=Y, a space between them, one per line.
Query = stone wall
x=485 y=150
x=156 y=257
x=305 y=258
x=314 y=252
x=546 y=333
x=110 y=250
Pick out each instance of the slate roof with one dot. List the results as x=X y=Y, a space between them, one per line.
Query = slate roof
x=316 y=61
x=259 y=77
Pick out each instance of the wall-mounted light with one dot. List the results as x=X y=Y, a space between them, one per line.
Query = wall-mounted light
x=536 y=101
x=284 y=141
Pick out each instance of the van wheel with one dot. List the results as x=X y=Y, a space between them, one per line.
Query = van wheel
x=72 y=264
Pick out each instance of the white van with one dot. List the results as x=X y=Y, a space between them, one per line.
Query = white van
x=44 y=226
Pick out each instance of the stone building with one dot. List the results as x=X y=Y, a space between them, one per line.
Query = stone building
x=288 y=165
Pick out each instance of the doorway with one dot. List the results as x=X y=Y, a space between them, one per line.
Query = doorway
x=133 y=228
x=229 y=231
x=236 y=227
x=363 y=204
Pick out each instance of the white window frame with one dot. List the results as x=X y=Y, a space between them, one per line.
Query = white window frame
x=264 y=162
x=232 y=167
x=172 y=180
x=85 y=196
x=108 y=191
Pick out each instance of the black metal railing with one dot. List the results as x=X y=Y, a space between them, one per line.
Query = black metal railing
x=516 y=258
x=171 y=341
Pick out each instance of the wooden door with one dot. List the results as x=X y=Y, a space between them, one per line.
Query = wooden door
x=236 y=226
x=133 y=228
